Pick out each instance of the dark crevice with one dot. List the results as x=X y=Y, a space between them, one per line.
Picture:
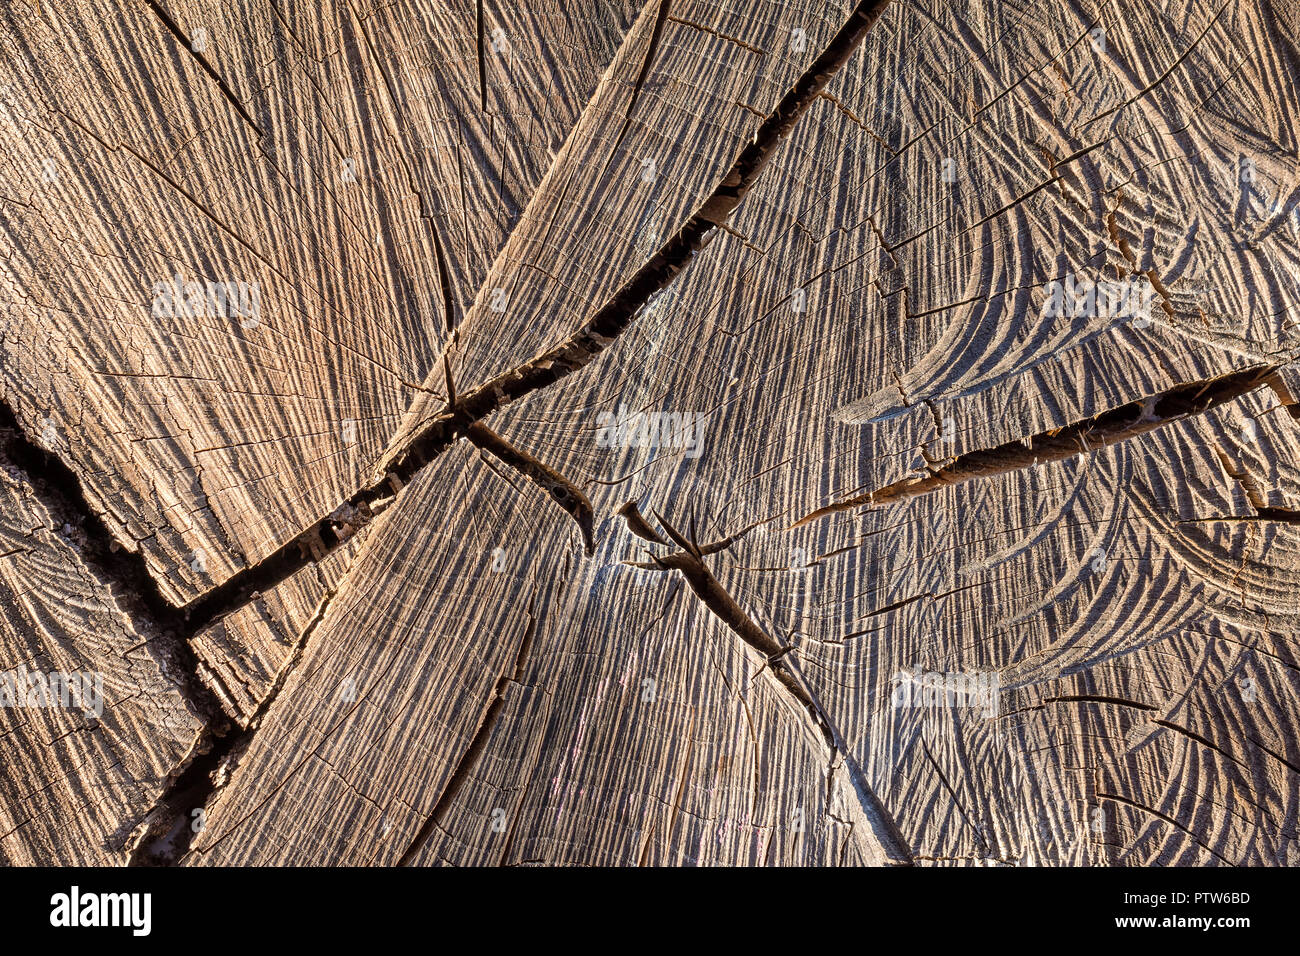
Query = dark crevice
x=124 y=572
x=558 y=488
x=171 y=826
x=308 y=547
x=1097 y=699
x=479 y=28
x=1282 y=385
x=444 y=280
x=689 y=561
x=1084 y=437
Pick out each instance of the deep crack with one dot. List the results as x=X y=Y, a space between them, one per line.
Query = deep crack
x=1084 y=437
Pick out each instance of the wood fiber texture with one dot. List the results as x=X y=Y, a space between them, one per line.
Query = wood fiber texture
x=636 y=411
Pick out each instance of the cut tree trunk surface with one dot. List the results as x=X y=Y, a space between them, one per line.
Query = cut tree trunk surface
x=692 y=433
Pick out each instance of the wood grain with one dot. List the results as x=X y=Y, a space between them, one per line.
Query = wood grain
x=77 y=779
x=813 y=248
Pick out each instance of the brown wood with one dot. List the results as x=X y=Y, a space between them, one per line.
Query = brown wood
x=378 y=578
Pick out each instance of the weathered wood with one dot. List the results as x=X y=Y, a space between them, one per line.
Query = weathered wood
x=337 y=158
x=81 y=767
x=820 y=245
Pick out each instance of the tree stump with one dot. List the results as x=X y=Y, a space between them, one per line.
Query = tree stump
x=529 y=432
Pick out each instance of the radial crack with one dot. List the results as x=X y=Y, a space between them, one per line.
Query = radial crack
x=1084 y=437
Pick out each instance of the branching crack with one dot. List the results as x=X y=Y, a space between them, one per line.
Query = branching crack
x=778 y=660
x=641 y=528
x=167 y=836
x=435 y=436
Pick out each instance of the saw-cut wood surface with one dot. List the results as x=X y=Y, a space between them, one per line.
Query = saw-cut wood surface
x=77 y=779
x=645 y=417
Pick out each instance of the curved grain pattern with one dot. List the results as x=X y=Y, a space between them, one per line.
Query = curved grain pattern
x=810 y=253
